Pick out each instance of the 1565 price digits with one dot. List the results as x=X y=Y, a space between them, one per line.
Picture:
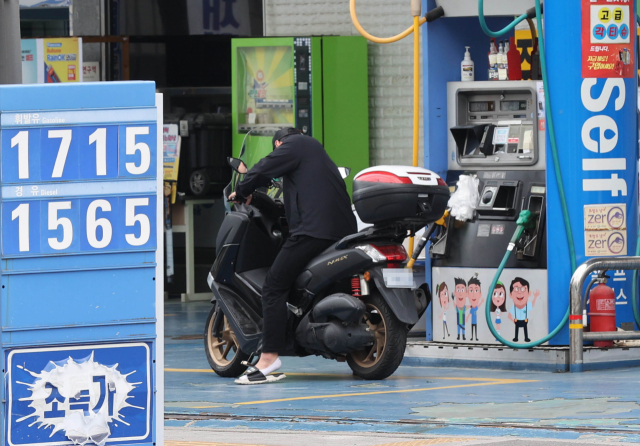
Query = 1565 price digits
x=87 y=224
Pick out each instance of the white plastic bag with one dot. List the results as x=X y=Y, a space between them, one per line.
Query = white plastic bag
x=464 y=200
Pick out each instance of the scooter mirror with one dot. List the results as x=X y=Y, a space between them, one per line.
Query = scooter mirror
x=344 y=172
x=237 y=165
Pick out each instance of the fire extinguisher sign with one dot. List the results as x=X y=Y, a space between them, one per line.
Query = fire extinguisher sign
x=608 y=34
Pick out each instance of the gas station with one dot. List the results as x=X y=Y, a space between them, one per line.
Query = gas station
x=517 y=301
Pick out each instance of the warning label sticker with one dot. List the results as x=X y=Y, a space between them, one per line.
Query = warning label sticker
x=606 y=305
x=604 y=217
x=605 y=243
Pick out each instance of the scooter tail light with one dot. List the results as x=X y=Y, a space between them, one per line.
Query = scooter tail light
x=385 y=253
x=373 y=253
x=384 y=177
x=441 y=182
x=393 y=253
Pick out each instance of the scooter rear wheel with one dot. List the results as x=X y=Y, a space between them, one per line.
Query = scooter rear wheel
x=221 y=346
x=381 y=359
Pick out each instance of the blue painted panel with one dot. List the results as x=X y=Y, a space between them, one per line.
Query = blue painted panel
x=108 y=167
x=20 y=228
x=443 y=47
x=77 y=117
x=82 y=261
x=127 y=331
x=60 y=284
x=69 y=96
x=78 y=189
x=138 y=223
x=90 y=225
x=620 y=186
x=95 y=297
x=57 y=234
x=115 y=385
x=11 y=146
x=100 y=234
x=137 y=151
x=59 y=152
x=59 y=157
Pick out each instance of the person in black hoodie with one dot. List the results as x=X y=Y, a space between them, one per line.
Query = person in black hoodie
x=318 y=210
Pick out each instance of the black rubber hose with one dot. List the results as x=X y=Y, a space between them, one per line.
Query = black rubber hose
x=531 y=12
x=435 y=14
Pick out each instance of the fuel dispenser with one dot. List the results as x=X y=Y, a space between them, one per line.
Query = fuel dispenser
x=495 y=135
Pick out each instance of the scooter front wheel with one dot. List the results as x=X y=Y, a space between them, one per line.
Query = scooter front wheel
x=381 y=359
x=221 y=346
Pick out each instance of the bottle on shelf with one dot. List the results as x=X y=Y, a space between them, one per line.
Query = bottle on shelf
x=514 y=68
x=493 y=62
x=467 y=67
x=502 y=63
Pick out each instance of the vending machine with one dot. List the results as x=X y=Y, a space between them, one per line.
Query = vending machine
x=316 y=84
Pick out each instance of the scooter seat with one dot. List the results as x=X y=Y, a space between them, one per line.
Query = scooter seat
x=255 y=278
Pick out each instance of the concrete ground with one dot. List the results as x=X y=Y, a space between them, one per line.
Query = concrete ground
x=321 y=402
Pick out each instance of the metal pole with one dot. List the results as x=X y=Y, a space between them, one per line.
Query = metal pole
x=10 y=49
x=575 y=295
x=611 y=335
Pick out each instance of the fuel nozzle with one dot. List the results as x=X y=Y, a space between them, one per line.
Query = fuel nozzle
x=529 y=221
x=425 y=238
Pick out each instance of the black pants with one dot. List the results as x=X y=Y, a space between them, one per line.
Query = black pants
x=522 y=324
x=290 y=262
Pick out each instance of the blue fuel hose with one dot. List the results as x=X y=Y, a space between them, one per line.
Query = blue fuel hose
x=558 y=173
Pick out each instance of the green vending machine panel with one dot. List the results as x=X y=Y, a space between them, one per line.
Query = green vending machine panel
x=316 y=84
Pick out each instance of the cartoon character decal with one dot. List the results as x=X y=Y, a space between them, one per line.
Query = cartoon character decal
x=442 y=291
x=474 y=294
x=519 y=313
x=498 y=304
x=459 y=300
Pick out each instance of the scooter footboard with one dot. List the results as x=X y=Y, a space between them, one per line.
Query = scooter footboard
x=246 y=325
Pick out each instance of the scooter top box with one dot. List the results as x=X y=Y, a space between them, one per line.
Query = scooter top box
x=392 y=193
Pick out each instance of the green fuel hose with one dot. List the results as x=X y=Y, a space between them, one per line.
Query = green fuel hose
x=524 y=218
x=504 y=30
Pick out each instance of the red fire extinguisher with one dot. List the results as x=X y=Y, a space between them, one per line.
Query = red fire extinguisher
x=602 y=310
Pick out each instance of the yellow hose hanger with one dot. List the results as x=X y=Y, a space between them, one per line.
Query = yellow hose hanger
x=416 y=12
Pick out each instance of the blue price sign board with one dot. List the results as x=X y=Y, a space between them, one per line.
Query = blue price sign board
x=41 y=165
x=79 y=394
x=81 y=249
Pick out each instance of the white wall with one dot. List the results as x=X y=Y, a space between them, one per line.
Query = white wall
x=390 y=65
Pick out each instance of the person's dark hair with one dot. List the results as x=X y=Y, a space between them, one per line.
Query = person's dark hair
x=474 y=281
x=522 y=281
x=283 y=133
x=439 y=288
x=502 y=307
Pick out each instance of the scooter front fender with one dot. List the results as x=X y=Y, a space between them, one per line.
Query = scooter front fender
x=246 y=325
x=401 y=300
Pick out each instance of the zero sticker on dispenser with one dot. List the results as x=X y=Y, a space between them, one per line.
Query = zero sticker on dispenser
x=605 y=243
x=603 y=217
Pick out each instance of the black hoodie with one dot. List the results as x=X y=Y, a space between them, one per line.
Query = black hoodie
x=315 y=197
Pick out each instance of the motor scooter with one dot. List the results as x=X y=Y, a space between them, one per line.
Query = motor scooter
x=354 y=302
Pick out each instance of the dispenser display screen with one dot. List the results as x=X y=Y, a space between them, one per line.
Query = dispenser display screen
x=483 y=106
x=513 y=105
